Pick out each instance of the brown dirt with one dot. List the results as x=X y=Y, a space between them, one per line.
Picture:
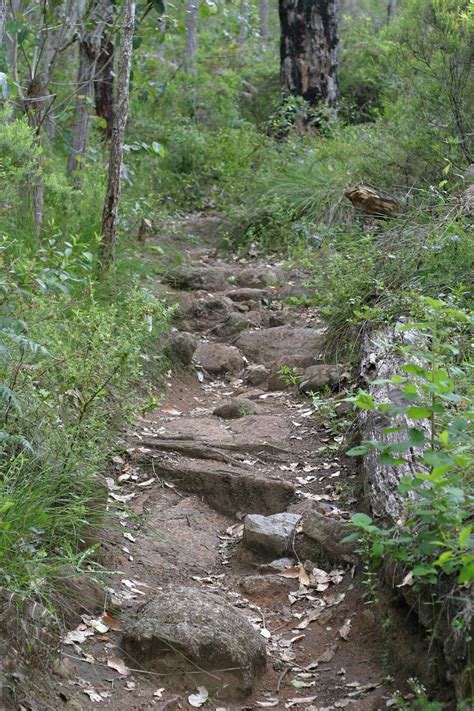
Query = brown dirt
x=181 y=528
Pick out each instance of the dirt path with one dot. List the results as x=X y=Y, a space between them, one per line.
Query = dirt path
x=184 y=485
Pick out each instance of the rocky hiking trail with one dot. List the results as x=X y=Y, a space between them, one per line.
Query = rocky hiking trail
x=230 y=587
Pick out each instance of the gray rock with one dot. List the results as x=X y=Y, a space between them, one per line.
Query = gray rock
x=239 y=407
x=246 y=294
x=343 y=408
x=468 y=175
x=322 y=540
x=267 y=536
x=259 y=277
x=281 y=343
x=318 y=377
x=181 y=347
x=219 y=358
x=208 y=278
x=181 y=629
x=256 y=374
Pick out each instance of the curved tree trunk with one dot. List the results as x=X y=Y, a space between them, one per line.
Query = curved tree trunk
x=309 y=49
x=111 y=204
x=191 y=42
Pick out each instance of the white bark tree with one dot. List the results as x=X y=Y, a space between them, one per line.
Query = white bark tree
x=112 y=197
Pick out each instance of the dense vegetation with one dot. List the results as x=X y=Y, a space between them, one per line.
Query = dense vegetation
x=220 y=137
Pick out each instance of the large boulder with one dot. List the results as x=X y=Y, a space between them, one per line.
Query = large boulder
x=269 y=536
x=281 y=343
x=218 y=358
x=181 y=629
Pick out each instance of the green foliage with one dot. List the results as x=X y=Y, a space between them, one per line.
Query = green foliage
x=436 y=535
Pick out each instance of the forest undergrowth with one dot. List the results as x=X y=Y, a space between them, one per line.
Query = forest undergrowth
x=73 y=346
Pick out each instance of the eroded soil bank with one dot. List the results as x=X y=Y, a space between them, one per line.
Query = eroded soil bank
x=198 y=594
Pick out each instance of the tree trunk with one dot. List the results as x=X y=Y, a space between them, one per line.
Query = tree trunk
x=391 y=9
x=89 y=51
x=244 y=21
x=264 y=20
x=111 y=204
x=191 y=43
x=104 y=82
x=2 y=20
x=309 y=49
x=381 y=360
x=80 y=131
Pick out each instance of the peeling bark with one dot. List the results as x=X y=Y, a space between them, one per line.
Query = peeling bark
x=309 y=49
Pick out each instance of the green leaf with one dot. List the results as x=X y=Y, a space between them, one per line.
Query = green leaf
x=364 y=401
x=358 y=451
x=467 y=573
x=464 y=536
x=418 y=413
x=417 y=437
x=362 y=520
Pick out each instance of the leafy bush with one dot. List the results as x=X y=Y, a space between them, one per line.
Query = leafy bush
x=435 y=536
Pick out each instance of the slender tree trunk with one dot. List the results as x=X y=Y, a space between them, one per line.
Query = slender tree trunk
x=264 y=20
x=80 y=131
x=309 y=49
x=391 y=9
x=191 y=43
x=111 y=205
x=2 y=20
x=104 y=84
x=244 y=21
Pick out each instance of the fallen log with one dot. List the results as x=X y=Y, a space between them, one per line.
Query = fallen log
x=373 y=202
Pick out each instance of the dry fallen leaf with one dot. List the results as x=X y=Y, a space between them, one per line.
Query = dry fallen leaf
x=112 y=622
x=159 y=693
x=344 y=631
x=407 y=580
x=93 y=695
x=77 y=636
x=119 y=665
x=199 y=699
